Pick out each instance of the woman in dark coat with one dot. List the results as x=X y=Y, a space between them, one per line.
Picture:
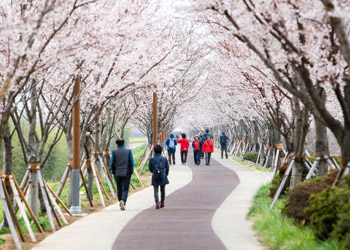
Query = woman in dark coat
x=161 y=161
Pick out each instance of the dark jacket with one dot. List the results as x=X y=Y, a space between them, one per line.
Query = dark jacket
x=206 y=135
x=164 y=165
x=223 y=140
x=122 y=162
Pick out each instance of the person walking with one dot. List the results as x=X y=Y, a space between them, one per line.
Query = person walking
x=205 y=136
x=196 y=145
x=122 y=167
x=201 y=140
x=171 y=147
x=184 y=148
x=208 y=148
x=223 y=145
x=159 y=167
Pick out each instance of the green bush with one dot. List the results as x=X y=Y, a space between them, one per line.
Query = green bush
x=330 y=212
x=298 y=197
x=277 y=179
x=311 y=159
x=250 y=156
x=338 y=160
x=280 y=232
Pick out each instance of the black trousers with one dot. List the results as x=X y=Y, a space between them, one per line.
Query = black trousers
x=156 y=193
x=223 y=148
x=123 y=183
x=197 y=156
x=171 y=154
x=184 y=156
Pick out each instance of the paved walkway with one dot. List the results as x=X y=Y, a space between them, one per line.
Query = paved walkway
x=208 y=213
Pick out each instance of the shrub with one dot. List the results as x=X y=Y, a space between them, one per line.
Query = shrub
x=330 y=212
x=338 y=160
x=311 y=159
x=277 y=179
x=250 y=156
x=298 y=197
x=279 y=232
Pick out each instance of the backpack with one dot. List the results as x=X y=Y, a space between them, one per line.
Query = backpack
x=223 y=140
x=158 y=172
x=172 y=143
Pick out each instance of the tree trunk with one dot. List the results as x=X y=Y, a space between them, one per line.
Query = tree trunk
x=89 y=170
x=32 y=154
x=300 y=131
x=321 y=147
x=7 y=160
x=98 y=144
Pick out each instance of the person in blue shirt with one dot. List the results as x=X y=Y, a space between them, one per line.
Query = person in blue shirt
x=122 y=167
x=205 y=136
x=223 y=144
x=201 y=140
x=171 y=143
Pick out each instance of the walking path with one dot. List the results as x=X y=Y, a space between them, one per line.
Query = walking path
x=208 y=213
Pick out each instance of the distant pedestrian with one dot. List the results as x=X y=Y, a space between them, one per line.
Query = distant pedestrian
x=205 y=136
x=159 y=167
x=208 y=148
x=223 y=144
x=201 y=140
x=171 y=147
x=122 y=166
x=196 y=150
x=184 y=148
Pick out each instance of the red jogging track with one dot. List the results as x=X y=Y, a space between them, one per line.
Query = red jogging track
x=185 y=222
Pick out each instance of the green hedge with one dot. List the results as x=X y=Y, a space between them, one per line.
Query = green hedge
x=250 y=156
x=279 y=232
x=330 y=213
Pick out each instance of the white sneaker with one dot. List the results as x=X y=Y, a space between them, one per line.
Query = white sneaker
x=121 y=204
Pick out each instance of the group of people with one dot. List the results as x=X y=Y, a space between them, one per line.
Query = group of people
x=122 y=163
x=122 y=167
x=202 y=145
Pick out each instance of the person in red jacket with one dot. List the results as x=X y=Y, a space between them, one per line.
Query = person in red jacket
x=196 y=144
x=184 y=148
x=208 y=148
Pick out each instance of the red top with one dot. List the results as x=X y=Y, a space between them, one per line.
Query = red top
x=196 y=145
x=208 y=146
x=184 y=144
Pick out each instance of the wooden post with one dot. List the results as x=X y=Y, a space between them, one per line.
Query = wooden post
x=155 y=119
x=76 y=207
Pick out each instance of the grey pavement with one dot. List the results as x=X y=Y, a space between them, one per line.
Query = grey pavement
x=99 y=230
x=229 y=221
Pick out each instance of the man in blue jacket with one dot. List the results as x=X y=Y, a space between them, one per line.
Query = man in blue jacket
x=223 y=144
x=122 y=166
x=171 y=147
x=205 y=136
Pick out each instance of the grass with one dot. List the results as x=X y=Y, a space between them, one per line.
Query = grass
x=137 y=140
x=279 y=232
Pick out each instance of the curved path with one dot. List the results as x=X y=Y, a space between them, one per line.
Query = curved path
x=205 y=209
x=185 y=222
